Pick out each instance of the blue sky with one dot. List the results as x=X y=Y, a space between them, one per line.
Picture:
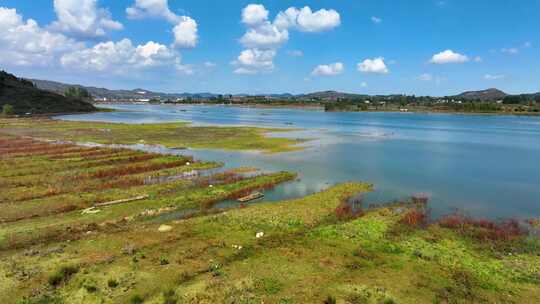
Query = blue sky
x=422 y=47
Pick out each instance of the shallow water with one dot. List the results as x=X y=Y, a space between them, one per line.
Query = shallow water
x=483 y=165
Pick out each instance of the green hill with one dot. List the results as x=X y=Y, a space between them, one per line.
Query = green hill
x=26 y=98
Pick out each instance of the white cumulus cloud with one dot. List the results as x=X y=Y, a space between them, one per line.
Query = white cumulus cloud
x=252 y=61
x=263 y=37
x=254 y=14
x=25 y=43
x=119 y=57
x=448 y=56
x=83 y=19
x=308 y=21
x=328 y=69
x=375 y=65
x=185 y=33
x=185 y=28
x=152 y=9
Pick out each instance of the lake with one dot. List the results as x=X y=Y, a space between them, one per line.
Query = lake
x=479 y=164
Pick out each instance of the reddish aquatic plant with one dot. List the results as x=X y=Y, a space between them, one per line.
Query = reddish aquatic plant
x=136 y=169
x=415 y=218
x=484 y=229
x=343 y=211
x=122 y=183
x=346 y=211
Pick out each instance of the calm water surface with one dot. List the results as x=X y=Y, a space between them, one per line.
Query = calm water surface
x=482 y=165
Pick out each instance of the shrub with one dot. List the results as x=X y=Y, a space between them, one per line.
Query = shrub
x=136 y=299
x=330 y=300
x=163 y=261
x=7 y=110
x=415 y=218
x=90 y=287
x=484 y=229
x=215 y=270
x=112 y=283
x=169 y=297
x=62 y=275
x=345 y=211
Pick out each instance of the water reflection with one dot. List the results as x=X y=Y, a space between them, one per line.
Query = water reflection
x=484 y=165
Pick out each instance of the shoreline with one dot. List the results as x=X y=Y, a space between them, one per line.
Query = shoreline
x=320 y=108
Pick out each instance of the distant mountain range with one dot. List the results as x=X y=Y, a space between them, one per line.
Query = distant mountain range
x=331 y=95
x=60 y=88
x=142 y=94
x=485 y=95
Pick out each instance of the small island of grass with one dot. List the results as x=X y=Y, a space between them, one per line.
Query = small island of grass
x=171 y=135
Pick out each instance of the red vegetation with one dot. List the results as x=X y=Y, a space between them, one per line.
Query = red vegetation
x=6 y=143
x=122 y=183
x=106 y=154
x=136 y=169
x=79 y=153
x=345 y=211
x=39 y=149
x=52 y=191
x=118 y=161
x=66 y=208
x=415 y=218
x=484 y=229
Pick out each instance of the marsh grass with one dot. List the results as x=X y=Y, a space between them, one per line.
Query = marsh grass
x=43 y=196
x=167 y=134
x=303 y=258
